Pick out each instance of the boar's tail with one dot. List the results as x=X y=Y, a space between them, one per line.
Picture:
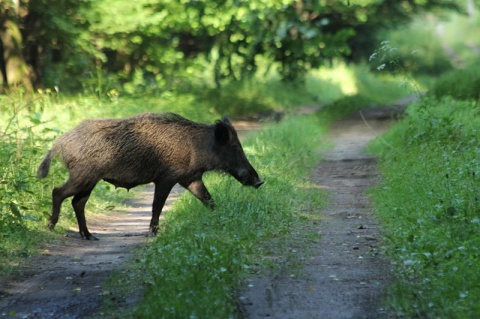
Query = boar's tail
x=44 y=167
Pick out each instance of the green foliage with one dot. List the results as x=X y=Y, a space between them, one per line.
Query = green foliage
x=429 y=204
x=199 y=256
x=461 y=84
x=23 y=202
x=256 y=97
x=56 y=44
x=159 y=44
x=167 y=38
x=459 y=34
x=383 y=88
x=387 y=58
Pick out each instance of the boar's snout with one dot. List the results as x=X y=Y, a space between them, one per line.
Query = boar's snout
x=258 y=183
x=249 y=178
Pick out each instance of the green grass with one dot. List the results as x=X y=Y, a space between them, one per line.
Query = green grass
x=429 y=204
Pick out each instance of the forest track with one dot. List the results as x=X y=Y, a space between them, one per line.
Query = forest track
x=344 y=275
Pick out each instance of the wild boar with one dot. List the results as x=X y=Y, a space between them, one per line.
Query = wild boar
x=165 y=149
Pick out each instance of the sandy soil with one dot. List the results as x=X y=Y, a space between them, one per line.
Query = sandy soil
x=344 y=278
x=344 y=275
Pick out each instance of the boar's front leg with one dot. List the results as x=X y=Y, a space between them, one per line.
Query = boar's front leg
x=198 y=189
x=159 y=198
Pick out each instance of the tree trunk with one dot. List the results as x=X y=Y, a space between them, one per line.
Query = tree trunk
x=3 y=69
x=14 y=69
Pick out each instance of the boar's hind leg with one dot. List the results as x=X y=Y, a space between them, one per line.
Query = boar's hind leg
x=59 y=194
x=70 y=188
x=198 y=189
x=78 y=203
x=159 y=198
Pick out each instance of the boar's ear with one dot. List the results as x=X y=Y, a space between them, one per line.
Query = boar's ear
x=222 y=130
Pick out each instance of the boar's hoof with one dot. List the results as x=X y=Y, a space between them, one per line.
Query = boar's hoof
x=51 y=224
x=153 y=230
x=88 y=236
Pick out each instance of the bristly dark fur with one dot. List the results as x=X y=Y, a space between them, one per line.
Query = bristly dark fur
x=164 y=148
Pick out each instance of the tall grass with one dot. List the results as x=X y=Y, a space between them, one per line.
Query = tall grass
x=21 y=202
x=429 y=205
x=25 y=201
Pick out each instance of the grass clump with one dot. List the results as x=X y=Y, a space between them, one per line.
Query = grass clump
x=429 y=203
x=199 y=257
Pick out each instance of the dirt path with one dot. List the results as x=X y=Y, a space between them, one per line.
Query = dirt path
x=345 y=276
